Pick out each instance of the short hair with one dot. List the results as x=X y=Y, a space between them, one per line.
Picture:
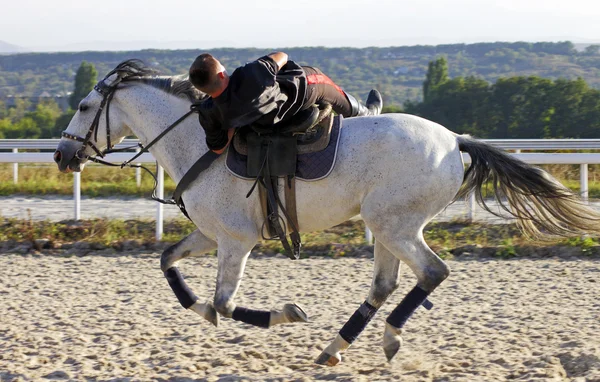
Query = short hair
x=203 y=73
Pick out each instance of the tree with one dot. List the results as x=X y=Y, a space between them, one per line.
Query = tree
x=62 y=122
x=85 y=79
x=592 y=50
x=437 y=74
x=45 y=115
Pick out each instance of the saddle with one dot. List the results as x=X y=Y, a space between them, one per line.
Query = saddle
x=272 y=155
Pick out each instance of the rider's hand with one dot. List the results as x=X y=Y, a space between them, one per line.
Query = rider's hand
x=230 y=134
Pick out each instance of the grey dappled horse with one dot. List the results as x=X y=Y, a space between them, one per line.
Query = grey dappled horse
x=397 y=171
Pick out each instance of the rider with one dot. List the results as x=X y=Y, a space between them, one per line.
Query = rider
x=265 y=92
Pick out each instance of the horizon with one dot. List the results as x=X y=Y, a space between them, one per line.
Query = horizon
x=62 y=25
x=123 y=46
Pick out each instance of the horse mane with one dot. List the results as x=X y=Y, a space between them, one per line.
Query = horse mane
x=136 y=70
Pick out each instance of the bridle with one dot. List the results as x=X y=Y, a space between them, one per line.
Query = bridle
x=108 y=93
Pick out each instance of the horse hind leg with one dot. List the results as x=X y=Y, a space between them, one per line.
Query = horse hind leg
x=430 y=271
x=193 y=244
x=386 y=276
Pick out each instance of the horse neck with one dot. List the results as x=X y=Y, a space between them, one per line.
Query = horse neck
x=149 y=112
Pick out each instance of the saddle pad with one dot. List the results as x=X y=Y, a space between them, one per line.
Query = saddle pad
x=310 y=167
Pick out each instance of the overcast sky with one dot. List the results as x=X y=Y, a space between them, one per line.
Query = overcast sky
x=115 y=24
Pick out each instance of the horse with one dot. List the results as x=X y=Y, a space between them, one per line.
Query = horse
x=397 y=171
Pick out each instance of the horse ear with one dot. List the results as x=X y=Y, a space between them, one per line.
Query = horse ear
x=112 y=80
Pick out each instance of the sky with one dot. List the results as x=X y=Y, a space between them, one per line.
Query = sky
x=134 y=24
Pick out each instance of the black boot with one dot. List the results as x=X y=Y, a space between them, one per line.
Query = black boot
x=373 y=107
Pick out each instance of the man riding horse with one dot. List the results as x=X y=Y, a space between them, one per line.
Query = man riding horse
x=265 y=92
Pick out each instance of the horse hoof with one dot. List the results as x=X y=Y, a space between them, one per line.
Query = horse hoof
x=391 y=350
x=392 y=341
x=206 y=311
x=294 y=313
x=211 y=315
x=328 y=359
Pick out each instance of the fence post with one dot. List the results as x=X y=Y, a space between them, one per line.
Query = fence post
x=160 y=189
x=77 y=194
x=15 y=169
x=583 y=181
x=471 y=207
x=369 y=236
x=138 y=172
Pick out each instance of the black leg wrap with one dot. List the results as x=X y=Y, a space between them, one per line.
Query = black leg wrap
x=357 y=323
x=407 y=307
x=253 y=317
x=184 y=294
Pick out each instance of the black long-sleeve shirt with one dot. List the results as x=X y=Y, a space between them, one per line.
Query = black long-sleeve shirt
x=257 y=93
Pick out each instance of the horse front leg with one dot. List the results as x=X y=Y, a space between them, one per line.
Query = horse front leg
x=232 y=261
x=386 y=276
x=192 y=245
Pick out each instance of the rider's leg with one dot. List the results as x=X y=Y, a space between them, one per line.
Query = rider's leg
x=321 y=88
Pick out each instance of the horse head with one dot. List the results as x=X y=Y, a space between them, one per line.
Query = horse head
x=93 y=130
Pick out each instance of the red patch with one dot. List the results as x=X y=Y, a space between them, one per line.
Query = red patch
x=323 y=79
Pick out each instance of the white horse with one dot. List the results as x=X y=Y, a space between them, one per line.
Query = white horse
x=396 y=171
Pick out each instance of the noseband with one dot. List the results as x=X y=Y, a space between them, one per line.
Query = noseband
x=107 y=93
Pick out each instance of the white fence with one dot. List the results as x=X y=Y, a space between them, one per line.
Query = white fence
x=582 y=159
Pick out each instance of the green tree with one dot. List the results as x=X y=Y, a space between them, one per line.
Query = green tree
x=592 y=50
x=45 y=115
x=437 y=74
x=85 y=79
x=62 y=122
x=25 y=128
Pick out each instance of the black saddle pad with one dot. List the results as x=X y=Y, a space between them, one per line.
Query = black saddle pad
x=310 y=166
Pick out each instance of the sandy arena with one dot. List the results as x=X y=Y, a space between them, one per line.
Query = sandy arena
x=115 y=318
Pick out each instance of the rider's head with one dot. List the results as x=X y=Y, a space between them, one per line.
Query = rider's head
x=208 y=75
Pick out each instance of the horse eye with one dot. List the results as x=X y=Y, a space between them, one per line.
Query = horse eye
x=83 y=107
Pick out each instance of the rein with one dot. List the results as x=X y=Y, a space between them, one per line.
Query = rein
x=107 y=93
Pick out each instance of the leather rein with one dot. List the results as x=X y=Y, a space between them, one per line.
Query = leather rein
x=107 y=93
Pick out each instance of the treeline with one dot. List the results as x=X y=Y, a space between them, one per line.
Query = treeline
x=45 y=119
x=396 y=71
x=514 y=107
x=511 y=107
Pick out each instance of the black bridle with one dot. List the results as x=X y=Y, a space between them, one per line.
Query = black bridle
x=108 y=93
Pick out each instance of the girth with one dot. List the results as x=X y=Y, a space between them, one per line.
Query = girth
x=272 y=155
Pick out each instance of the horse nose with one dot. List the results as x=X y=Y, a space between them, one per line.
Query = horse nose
x=57 y=156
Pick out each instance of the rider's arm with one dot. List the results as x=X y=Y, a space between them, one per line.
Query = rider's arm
x=229 y=137
x=280 y=59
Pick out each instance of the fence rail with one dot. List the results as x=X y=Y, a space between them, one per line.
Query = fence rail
x=583 y=159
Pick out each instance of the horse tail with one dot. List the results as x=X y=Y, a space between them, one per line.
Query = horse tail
x=543 y=207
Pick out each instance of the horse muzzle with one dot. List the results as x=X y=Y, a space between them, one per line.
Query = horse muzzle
x=67 y=158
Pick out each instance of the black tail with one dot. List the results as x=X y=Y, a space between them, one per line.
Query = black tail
x=542 y=206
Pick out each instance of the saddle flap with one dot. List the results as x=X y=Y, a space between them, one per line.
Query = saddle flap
x=274 y=153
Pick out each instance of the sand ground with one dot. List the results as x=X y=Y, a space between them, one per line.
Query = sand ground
x=115 y=318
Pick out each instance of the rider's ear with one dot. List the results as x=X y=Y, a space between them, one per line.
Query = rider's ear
x=221 y=74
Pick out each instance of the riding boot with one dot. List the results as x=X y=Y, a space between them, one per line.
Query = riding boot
x=373 y=107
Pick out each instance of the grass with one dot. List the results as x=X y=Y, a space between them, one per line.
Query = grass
x=447 y=239
x=95 y=181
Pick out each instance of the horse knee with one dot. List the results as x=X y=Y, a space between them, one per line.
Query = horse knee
x=170 y=257
x=224 y=305
x=382 y=289
x=434 y=275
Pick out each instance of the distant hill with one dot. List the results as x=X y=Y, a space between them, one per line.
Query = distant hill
x=9 y=48
x=397 y=71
